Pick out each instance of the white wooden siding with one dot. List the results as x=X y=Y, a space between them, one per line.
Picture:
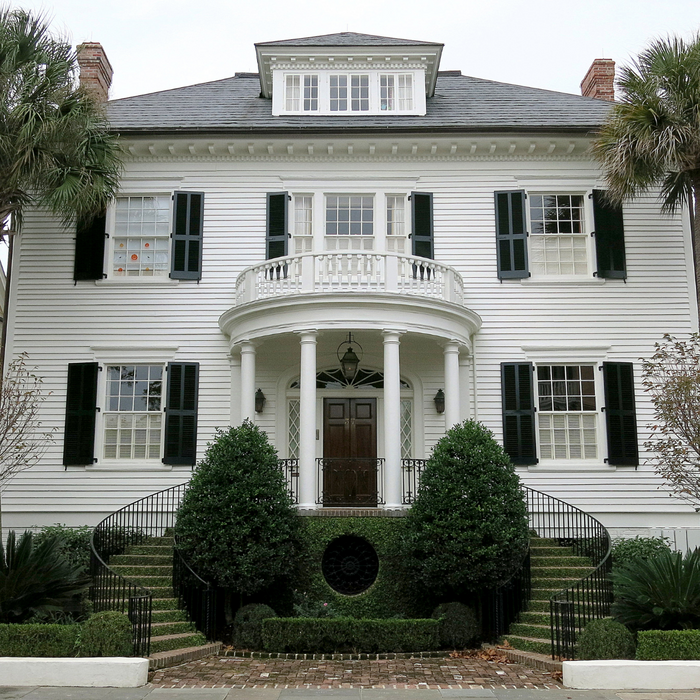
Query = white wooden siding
x=58 y=322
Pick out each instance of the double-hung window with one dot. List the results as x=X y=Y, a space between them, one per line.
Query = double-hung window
x=301 y=93
x=396 y=233
x=567 y=414
x=396 y=92
x=141 y=246
x=558 y=238
x=133 y=419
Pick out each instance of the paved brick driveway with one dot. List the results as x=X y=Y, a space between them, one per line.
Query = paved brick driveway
x=216 y=671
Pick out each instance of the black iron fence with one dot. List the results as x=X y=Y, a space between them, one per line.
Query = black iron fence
x=195 y=595
x=351 y=481
x=136 y=523
x=411 y=469
x=290 y=469
x=502 y=606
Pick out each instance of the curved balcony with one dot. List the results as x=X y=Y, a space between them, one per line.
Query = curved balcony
x=349 y=272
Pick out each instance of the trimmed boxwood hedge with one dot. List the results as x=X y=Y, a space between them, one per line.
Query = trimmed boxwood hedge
x=661 y=645
x=392 y=594
x=349 y=635
x=38 y=639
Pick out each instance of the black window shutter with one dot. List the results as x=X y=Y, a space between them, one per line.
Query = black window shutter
x=609 y=238
x=90 y=238
x=422 y=225
x=277 y=228
x=181 y=413
x=518 y=412
x=188 y=221
x=620 y=414
x=81 y=409
x=511 y=234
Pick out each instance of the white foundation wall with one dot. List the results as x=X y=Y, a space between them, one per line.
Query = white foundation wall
x=56 y=321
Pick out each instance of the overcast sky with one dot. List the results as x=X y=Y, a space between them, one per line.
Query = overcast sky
x=160 y=44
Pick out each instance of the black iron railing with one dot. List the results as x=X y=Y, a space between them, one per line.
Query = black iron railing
x=411 y=469
x=195 y=595
x=350 y=481
x=290 y=469
x=502 y=607
x=146 y=518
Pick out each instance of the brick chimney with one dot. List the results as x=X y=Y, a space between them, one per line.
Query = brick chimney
x=95 y=70
x=600 y=80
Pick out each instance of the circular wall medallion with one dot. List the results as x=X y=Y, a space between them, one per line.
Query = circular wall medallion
x=350 y=565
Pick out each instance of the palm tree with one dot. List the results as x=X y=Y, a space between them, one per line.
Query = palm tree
x=652 y=135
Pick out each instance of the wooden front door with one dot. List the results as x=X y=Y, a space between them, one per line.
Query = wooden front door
x=350 y=452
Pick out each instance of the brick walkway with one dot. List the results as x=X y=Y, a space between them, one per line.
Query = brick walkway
x=227 y=672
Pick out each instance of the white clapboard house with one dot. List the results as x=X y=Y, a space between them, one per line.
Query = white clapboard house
x=354 y=250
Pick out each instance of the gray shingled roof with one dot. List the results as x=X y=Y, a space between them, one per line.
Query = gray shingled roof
x=348 y=39
x=461 y=104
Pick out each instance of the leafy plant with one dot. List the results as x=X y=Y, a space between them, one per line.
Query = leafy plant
x=73 y=542
x=468 y=528
x=459 y=625
x=605 y=639
x=660 y=645
x=659 y=593
x=237 y=524
x=35 y=579
x=306 y=606
x=626 y=549
x=247 y=625
x=106 y=633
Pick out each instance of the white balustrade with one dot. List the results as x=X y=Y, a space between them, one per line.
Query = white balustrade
x=345 y=271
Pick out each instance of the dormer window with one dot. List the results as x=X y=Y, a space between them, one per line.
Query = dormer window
x=301 y=92
x=331 y=91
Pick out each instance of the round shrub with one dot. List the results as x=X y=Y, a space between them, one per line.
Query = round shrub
x=662 y=593
x=106 y=633
x=237 y=524
x=459 y=625
x=468 y=528
x=247 y=625
x=605 y=639
x=624 y=550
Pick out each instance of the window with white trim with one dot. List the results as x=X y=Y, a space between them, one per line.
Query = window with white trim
x=133 y=417
x=349 y=215
x=558 y=237
x=567 y=414
x=301 y=93
x=303 y=224
x=396 y=224
x=396 y=92
x=141 y=240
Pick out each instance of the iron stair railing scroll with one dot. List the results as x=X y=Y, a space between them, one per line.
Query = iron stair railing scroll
x=136 y=523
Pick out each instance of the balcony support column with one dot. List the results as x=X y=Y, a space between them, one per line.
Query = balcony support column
x=307 y=421
x=452 y=384
x=235 y=410
x=392 y=420
x=465 y=368
x=248 y=381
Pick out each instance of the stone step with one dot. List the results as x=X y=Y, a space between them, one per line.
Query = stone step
x=531 y=617
x=151 y=582
x=165 y=603
x=539 y=646
x=537 y=582
x=577 y=572
x=550 y=551
x=543 y=542
x=168 y=615
x=169 y=642
x=148 y=549
x=142 y=560
x=563 y=560
x=141 y=571
x=521 y=629
x=165 y=659
x=160 y=629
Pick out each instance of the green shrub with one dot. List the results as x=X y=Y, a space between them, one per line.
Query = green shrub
x=39 y=640
x=659 y=593
x=605 y=639
x=346 y=634
x=237 y=524
x=459 y=625
x=73 y=542
x=392 y=594
x=106 y=633
x=247 y=625
x=624 y=550
x=468 y=528
x=660 y=645
x=35 y=578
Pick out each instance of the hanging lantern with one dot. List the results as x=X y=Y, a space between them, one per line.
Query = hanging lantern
x=349 y=362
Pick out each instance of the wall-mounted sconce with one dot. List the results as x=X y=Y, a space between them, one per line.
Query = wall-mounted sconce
x=259 y=401
x=440 y=401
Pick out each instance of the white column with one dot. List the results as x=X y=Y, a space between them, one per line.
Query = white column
x=307 y=420
x=451 y=354
x=235 y=415
x=247 y=381
x=465 y=368
x=392 y=420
